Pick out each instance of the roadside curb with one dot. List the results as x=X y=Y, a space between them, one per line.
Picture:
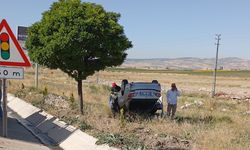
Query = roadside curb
x=50 y=130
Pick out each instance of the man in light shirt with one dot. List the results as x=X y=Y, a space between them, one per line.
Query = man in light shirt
x=172 y=95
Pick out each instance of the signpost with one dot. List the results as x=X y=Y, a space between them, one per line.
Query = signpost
x=22 y=33
x=11 y=54
x=22 y=36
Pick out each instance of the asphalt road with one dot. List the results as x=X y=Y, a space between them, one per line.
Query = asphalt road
x=19 y=138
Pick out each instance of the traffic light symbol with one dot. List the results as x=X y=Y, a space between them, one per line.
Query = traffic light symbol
x=5 y=46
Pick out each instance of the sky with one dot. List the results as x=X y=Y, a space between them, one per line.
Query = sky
x=162 y=28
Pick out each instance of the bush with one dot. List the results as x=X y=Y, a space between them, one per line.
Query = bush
x=84 y=126
x=20 y=93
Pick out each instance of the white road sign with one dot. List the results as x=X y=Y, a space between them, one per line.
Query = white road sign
x=11 y=73
x=12 y=53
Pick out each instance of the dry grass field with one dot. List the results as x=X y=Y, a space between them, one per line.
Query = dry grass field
x=201 y=122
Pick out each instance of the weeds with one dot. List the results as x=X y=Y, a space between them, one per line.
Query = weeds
x=242 y=138
x=73 y=104
x=93 y=88
x=187 y=135
x=69 y=120
x=32 y=89
x=45 y=91
x=196 y=95
x=75 y=121
x=203 y=120
x=106 y=87
x=20 y=93
x=122 y=118
x=22 y=86
x=84 y=126
x=118 y=140
x=38 y=103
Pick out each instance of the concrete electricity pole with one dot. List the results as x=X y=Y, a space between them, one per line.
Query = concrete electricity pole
x=216 y=62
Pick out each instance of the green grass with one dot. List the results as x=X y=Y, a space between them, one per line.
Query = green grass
x=224 y=73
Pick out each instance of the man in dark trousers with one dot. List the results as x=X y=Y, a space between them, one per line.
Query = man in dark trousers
x=172 y=95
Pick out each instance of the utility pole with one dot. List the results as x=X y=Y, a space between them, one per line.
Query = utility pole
x=216 y=62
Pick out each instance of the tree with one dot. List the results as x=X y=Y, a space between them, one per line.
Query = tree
x=79 y=38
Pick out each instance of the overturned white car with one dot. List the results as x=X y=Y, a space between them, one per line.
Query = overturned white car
x=138 y=97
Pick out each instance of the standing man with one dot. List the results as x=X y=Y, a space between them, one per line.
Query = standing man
x=113 y=100
x=172 y=95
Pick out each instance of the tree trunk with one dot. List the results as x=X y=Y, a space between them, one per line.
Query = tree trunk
x=80 y=96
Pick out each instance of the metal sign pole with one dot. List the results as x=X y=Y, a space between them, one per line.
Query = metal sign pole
x=10 y=59
x=4 y=108
x=36 y=76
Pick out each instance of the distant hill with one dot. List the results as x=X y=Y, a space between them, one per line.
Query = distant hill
x=229 y=63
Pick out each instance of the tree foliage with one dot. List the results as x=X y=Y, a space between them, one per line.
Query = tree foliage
x=79 y=38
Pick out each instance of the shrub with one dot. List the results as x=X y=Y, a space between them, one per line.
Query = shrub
x=45 y=91
x=22 y=86
x=84 y=126
x=20 y=93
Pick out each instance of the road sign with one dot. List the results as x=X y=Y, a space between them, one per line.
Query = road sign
x=11 y=52
x=22 y=33
x=11 y=73
x=22 y=36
